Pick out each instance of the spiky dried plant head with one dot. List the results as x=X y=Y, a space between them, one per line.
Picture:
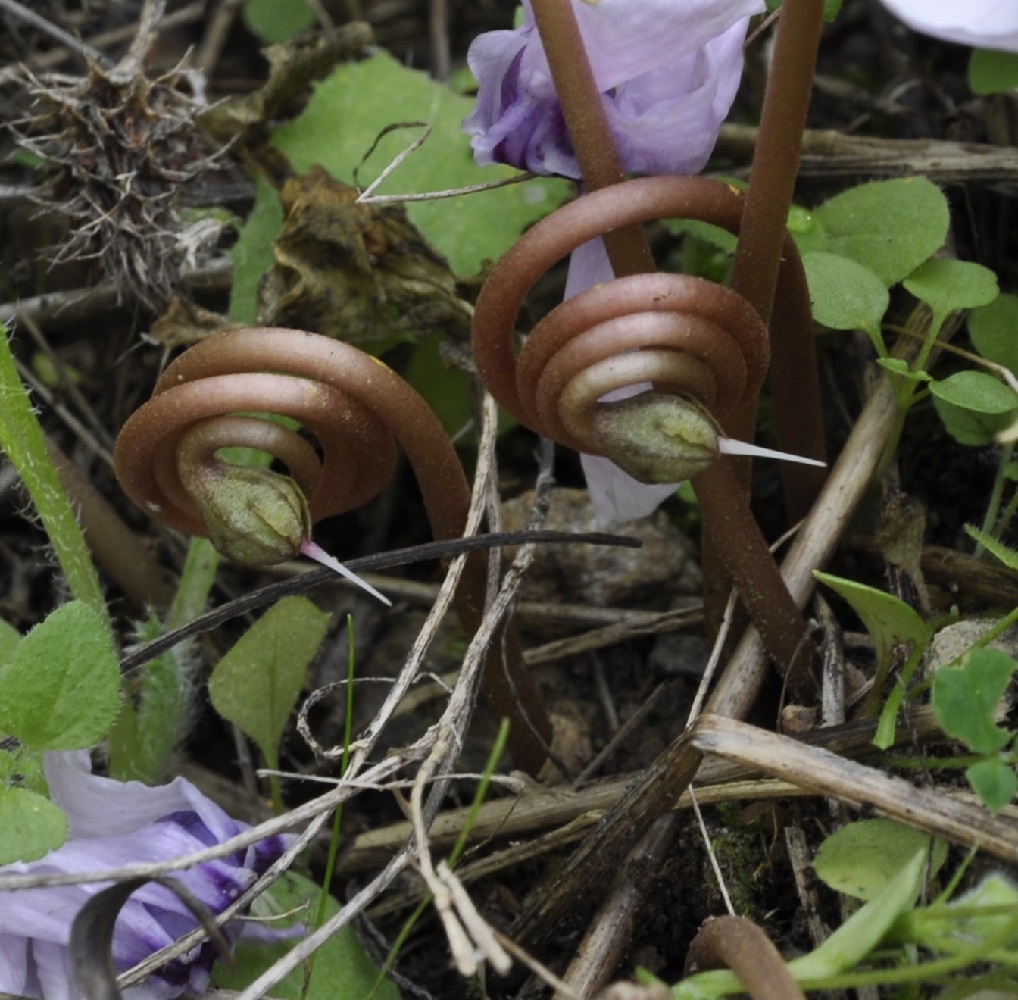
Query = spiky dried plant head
x=118 y=149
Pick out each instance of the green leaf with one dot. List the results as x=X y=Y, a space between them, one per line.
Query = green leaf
x=843 y=950
x=349 y=110
x=994 y=331
x=947 y=285
x=889 y=227
x=974 y=406
x=342 y=971
x=889 y=621
x=10 y=637
x=862 y=858
x=1008 y=556
x=965 y=698
x=868 y=926
x=992 y=71
x=30 y=825
x=141 y=742
x=277 y=20
x=256 y=684
x=899 y=367
x=61 y=689
x=845 y=295
x=252 y=253
x=994 y=782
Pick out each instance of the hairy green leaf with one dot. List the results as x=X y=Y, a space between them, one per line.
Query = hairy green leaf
x=846 y=295
x=974 y=406
x=946 y=285
x=861 y=858
x=994 y=330
x=61 y=689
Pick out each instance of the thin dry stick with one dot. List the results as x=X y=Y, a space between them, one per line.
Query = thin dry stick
x=441 y=744
x=611 y=929
x=540 y=809
x=828 y=774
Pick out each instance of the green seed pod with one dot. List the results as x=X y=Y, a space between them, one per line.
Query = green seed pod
x=253 y=516
x=658 y=437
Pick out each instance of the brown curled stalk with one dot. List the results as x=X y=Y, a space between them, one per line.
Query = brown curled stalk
x=703 y=348
x=359 y=411
x=652 y=435
x=740 y=945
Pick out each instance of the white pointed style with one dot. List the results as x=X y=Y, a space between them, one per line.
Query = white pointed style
x=314 y=551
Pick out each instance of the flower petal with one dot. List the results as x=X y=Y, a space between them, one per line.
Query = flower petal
x=992 y=24
x=616 y=496
x=116 y=823
x=667 y=73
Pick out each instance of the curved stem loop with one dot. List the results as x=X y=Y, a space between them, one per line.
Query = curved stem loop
x=359 y=411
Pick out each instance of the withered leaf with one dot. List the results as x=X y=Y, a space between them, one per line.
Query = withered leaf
x=293 y=66
x=360 y=273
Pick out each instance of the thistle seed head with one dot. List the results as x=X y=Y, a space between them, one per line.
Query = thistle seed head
x=117 y=148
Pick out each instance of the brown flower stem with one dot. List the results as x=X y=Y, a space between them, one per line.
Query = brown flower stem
x=740 y=945
x=358 y=409
x=794 y=382
x=589 y=133
x=735 y=532
x=795 y=386
x=731 y=527
x=736 y=538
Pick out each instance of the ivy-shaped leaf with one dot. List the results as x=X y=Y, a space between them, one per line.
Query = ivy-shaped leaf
x=994 y=331
x=965 y=699
x=349 y=111
x=947 y=285
x=256 y=684
x=861 y=858
x=889 y=227
x=974 y=406
x=994 y=782
x=846 y=295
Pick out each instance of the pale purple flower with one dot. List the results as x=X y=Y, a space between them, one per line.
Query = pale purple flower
x=112 y=824
x=989 y=24
x=668 y=71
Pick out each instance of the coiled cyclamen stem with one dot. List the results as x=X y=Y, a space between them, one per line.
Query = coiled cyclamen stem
x=702 y=347
x=697 y=341
x=359 y=411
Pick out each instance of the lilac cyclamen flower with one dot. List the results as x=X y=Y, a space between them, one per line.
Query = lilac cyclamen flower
x=990 y=24
x=112 y=824
x=668 y=71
